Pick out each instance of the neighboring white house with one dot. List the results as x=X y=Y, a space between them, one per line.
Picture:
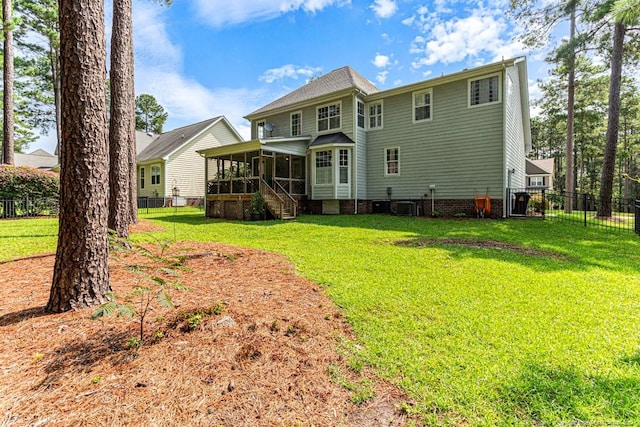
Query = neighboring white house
x=170 y=160
x=540 y=173
x=37 y=159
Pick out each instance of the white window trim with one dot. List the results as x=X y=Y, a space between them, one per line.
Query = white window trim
x=159 y=166
x=486 y=76
x=143 y=177
x=368 y=115
x=413 y=103
x=364 y=112
x=339 y=166
x=299 y=113
x=260 y=124
x=333 y=168
x=385 y=161
x=339 y=103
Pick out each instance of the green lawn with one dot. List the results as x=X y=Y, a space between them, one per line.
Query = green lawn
x=541 y=327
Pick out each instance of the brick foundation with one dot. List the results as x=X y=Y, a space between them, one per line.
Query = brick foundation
x=447 y=208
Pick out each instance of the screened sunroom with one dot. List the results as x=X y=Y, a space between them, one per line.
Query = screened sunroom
x=275 y=168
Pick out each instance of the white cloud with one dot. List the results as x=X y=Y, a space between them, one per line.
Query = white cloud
x=381 y=77
x=288 y=71
x=384 y=8
x=218 y=13
x=381 y=61
x=477 y=38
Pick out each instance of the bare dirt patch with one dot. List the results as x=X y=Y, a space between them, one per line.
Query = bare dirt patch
x=264 y=360
x=474 y=243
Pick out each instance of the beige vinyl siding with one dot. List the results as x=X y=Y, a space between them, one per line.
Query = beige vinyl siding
x=514 y=129
x=186 y=167
x=151 y=190
x=460 y=150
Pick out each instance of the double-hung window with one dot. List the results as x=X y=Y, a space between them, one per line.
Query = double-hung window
x=329 y=117
x=360 y=114
x=260 y=129
x=485 y=90
x=324 y=169
x=296 y=124
x=375 y=115
x=155 y=174
x=392 y=161
x=422 y=102
x=344 y=166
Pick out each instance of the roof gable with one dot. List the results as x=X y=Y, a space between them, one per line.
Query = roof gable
x=539 y=167
x=169 y=142
x=337 y=80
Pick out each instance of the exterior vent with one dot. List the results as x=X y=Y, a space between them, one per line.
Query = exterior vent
x=406 y=208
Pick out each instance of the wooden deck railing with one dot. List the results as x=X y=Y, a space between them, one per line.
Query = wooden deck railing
x=281 y=205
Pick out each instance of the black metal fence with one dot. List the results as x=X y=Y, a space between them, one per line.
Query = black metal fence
x=161 y=204
x=40 y=207
x=29 y=207
x=580 y=208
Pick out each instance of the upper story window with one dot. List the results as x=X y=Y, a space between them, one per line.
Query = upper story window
x=329 y=117
x=296 y=124
x=392 y=161
x=155 y=174
x=360 y=114
x=485 y=90
x=422 y=105
x=375 y=115
x=324 y=169
x=260 y=129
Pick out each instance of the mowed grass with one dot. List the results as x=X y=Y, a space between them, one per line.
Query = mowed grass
x=541 y=325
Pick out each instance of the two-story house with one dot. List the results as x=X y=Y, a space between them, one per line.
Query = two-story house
x=340 y=145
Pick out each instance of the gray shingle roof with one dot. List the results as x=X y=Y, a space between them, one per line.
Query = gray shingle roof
x=168 y=142
x=332 y=138
x=539 y=167
x=335 y=81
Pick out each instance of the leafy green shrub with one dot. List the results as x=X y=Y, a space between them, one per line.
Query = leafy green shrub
x=535 y=203
x=23 y=181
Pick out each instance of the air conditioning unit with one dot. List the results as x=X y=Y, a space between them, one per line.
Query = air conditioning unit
x=406 y=208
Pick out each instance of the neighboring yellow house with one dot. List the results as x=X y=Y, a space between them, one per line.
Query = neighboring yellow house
x=170 y=160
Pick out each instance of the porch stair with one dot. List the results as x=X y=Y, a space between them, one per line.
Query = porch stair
x=279 y=203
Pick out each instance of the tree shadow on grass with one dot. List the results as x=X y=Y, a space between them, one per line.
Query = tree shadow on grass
x=552 y=396
x=22 y=315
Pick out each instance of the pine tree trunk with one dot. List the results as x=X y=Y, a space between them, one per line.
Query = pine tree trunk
x=8 y=125
x=569 y=179
x=81 y=274
x=609 y=163
x=122 y=118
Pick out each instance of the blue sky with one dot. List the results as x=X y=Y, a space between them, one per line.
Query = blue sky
x=203 y=58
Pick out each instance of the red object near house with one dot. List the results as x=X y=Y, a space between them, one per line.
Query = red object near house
x=482 y=206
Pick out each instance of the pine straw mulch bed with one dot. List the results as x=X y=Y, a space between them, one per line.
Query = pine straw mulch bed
x=271 y=358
